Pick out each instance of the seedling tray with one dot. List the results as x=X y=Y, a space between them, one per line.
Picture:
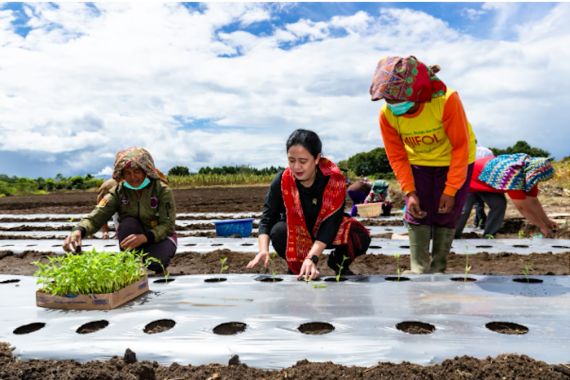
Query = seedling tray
x=106 y=301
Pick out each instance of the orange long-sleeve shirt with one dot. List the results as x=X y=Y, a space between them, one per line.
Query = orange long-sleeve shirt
x=437 y=134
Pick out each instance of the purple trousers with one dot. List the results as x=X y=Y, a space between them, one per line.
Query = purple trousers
x=430 y=183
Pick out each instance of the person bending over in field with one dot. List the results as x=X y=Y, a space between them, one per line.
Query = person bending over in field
x=145 y=205
x=431 y=148
x=304 y=213
x=518 y=176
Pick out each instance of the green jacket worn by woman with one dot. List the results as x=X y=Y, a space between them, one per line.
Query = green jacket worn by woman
x=153 y=206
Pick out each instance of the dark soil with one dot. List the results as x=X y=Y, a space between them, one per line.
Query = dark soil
x=240 y=199
x=464 y=367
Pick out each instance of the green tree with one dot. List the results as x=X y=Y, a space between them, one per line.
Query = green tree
x=179 y=170
x=374 y=162
x=522 y=147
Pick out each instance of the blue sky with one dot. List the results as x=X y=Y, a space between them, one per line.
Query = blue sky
x=207 y=84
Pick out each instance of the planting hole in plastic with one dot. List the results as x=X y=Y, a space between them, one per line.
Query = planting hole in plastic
x=334 y=279
x=483 y=246
x=215 y=279
x=507 y=328
x=268 y=279
x=397 y=279
x=159 y=326
x=463 y=279
x=520 y=246
x=528 y=280
x=92 y=327
x=30 y=328
x=164 y=280
x=375 y=247
x=230 y=328
x=10 y=281
x=405 y=246
x=316 y=328
x=415 y=327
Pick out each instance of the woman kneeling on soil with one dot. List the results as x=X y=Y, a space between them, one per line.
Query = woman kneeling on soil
x=431 y=148
x=145 y=205
x=304 y=213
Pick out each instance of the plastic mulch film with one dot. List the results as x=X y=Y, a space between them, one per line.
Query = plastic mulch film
x=360 y=321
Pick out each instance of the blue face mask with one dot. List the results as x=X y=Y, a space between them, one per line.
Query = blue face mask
x=399 y=109
x=141 y=186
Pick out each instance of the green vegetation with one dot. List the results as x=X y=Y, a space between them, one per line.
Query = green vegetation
x=467 y=268
x=398 y=269
x=522 y=147
x=272 y=257
x=319 y=286
x=527 y=270
x=223 y=266
x=199 y=180
x=22 y=186
x=340 y=268
x=178 y=170
x=91 y=272
x=246 y=170
x=372 y=163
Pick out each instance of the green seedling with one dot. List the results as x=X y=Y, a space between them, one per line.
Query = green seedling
x=223 y=266
x=527 y=270
x=398 y=269
x=319 y=286
x=521 y=234
x=489 y=237
x=340 y=268
x=91 y=272
x=467 y=268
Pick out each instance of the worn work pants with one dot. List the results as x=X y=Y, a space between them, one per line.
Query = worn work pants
x=163 y=250
x=278 y=238
x=497 y=207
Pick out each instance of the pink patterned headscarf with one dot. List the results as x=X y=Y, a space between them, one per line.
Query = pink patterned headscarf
x=136 y=157
x=405 y=79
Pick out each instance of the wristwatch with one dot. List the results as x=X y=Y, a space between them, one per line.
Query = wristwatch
x=314 y=259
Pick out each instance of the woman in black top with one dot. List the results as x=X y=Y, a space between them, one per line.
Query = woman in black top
x=304 y=212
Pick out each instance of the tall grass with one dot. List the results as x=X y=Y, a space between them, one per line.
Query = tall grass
x=200 y=180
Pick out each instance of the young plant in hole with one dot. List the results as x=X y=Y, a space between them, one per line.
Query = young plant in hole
x=223 y=266
x=91 y=272
x=467 y=268
x=489 y=237
x=340 y=268
x=521 y=234
x=398 y=269
x=527 y=270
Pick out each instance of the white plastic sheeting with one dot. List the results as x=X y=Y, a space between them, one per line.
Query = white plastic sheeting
x=363 y=311
x=377 y=246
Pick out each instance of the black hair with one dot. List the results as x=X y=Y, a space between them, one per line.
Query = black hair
x=307 y=139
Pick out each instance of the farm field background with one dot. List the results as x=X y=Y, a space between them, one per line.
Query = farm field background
x=236 y=199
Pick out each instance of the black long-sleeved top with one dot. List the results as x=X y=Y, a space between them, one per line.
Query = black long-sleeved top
x=311 y=202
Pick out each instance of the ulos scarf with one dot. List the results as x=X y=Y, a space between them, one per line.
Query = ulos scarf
x=516 y=171
x=405 y=79
x=299 y=240
x=136 y=157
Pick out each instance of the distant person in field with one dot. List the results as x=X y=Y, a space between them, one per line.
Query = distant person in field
x=480 y=215
x=145 y=205
x=357 y=192
x=431 y=148
x=379 y=193
x=105 y=189
x=518 y=176
x=304 y=213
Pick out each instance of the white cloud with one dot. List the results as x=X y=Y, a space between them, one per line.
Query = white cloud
x=121 y=76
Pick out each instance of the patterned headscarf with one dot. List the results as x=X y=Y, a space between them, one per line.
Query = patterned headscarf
x=136 y=157
x=379 y=187
x=516 y=171
x=405 y=79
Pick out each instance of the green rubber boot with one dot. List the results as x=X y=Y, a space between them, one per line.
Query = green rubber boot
x=420 y=236
x=442 y=239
